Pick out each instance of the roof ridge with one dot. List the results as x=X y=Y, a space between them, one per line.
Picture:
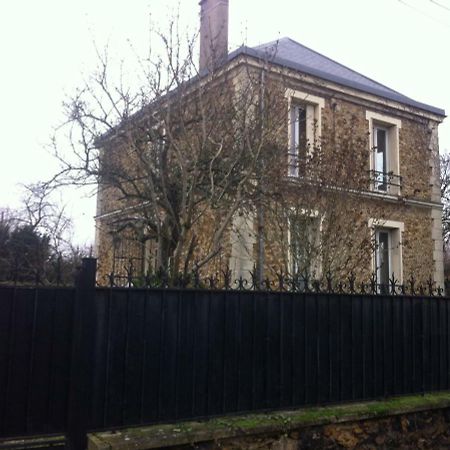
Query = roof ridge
x=287 y=38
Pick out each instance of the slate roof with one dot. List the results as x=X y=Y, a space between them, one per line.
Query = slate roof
x=291 y=54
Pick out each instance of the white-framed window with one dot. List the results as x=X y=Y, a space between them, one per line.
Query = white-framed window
x=304 y=242
x=380 y=157
x=387 y=256
x=242 y=240
x=304 y=130
x=384 y=155
x=383 y=257
x=301 y=137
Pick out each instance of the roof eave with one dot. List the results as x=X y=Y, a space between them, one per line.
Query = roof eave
x=247 y=51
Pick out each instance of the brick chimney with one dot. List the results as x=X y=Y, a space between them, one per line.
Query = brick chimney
x=213 y=33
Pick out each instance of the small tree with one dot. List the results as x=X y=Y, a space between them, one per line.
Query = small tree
x=35 y=240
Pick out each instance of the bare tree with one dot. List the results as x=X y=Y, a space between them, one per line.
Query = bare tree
x=44 y=214
x=180 y=154
x=36 y=239
x=176 y=158
x=445 y=196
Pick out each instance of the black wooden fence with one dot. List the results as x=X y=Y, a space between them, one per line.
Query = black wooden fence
x=86 y=358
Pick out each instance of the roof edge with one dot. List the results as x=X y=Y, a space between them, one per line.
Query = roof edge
x=395 y=96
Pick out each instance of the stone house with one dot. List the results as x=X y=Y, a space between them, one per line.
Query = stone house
x=380 y=212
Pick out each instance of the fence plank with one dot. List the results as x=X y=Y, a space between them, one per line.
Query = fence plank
x=357 y=348
x=41 y=357
x=323 y=351
x=447 y=343
x=152 y=362
x=17 y=388
x=434 y=345
x=442 y=317
x=185 y=377
x=259 y=350
x=7 y=321
x=115 y=358
x=273 y=350
x=426 y=343
x=99 y=394
x=418 y=340
x=367 y=344
x=58 y=400
x=287 y=381
x=215 y=354
x=346 y=348
x=169 y=355
x=134 y=358
x=201 y=349
x=245 y=352
x=335 y=347
x=397 y=347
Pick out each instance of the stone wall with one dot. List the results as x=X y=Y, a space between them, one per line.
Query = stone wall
x=411 y=422
x=418 y=431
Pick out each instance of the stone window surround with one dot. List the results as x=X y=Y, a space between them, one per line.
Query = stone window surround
x=396 y=228
x=393 y=126
x=317 y=264
x=242 y=240
x=314 y=126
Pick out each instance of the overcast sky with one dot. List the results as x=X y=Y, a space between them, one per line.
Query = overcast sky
x=47 y=45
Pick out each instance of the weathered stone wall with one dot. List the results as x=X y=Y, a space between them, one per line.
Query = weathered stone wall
x=414 y=159
x=418 y=431
x=411 y=422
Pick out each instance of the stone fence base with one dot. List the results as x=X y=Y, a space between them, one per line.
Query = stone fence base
x=419 y=422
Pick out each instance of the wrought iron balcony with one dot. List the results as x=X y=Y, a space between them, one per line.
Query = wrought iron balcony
x=385 y=181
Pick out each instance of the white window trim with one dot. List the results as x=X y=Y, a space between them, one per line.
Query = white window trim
x=381 y=223
x=314 y=124
x=393 y=126
x=242 y=240
x=393 y=225
x=314 y=214
x=376 y=257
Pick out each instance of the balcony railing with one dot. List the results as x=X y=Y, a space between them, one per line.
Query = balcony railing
x=385 y=181
x=293 y=164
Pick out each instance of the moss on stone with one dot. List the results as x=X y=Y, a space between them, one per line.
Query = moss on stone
x=243 y=425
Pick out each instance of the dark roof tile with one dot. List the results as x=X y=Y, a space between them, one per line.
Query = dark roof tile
x=289 y=53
